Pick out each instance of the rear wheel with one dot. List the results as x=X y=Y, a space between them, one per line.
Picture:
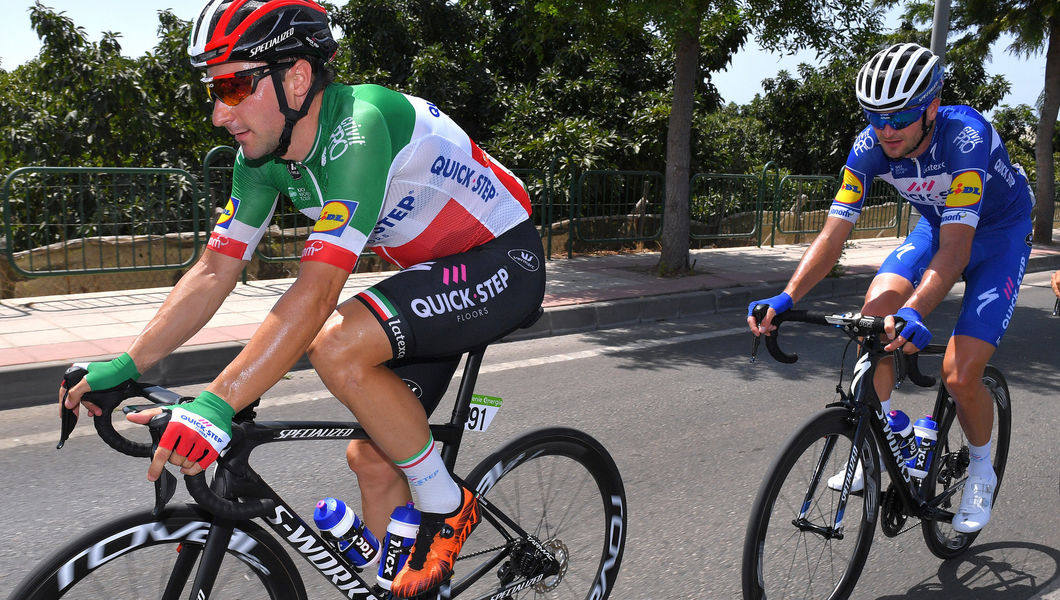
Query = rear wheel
x=142 y=556
x=949 y=467
x=562 y=488
x=792 y=548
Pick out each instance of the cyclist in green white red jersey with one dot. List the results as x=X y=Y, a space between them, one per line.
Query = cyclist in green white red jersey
x=376 y=169
x=976 y=207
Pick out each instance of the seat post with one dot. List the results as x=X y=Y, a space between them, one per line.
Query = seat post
x=462 y=406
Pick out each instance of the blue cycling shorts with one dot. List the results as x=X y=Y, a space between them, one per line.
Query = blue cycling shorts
x=992 y=278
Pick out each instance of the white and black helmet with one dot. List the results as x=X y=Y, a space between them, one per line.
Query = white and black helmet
x=902 y=76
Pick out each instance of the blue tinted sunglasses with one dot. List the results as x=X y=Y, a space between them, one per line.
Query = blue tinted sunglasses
x=897 y=120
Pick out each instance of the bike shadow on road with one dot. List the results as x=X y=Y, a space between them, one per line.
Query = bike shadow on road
x=997 y=570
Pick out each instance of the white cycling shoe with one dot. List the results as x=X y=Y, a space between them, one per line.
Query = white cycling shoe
x=835 y=482
x=976 y=502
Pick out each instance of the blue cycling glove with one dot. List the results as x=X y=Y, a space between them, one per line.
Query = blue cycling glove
x=914 y=330
x=780 y=303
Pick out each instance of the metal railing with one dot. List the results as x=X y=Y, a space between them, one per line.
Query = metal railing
x=62 y=221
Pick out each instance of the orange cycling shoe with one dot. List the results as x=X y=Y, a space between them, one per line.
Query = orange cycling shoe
x=439 y=540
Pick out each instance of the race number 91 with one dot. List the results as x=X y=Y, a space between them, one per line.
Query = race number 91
x=482 y=411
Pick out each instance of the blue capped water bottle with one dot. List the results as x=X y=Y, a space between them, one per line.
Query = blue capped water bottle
x=926 y=433
x=903 y=432
x=355 y=541
x=400 y=535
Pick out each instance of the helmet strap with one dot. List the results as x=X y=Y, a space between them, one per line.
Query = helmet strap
x=290 y=115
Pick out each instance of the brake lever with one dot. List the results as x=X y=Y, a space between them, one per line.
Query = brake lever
x=755 y=342
x=1056 y=308
x=900 y=369
x=67 y=416
x=166 y=484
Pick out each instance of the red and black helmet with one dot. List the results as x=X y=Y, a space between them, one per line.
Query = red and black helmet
x=260 y=30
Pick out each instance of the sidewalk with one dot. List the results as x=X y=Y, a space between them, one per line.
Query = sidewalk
x=40 y=337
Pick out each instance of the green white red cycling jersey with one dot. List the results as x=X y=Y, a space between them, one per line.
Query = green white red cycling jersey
x=387 y=171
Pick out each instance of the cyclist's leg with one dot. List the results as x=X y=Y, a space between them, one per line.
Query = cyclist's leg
x=439 y=308
x=894 y=283
x=383 y=486
x=995 y=270
x=962 y=372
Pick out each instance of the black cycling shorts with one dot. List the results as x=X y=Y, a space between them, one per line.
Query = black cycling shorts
x=435 y=311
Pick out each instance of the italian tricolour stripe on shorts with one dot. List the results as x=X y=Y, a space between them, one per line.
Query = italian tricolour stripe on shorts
x=379 y=304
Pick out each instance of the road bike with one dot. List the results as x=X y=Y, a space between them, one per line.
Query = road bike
x=805 y=540
x=552 y=501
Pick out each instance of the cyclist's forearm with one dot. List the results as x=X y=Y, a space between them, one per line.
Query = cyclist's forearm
x=190 y=305
x=944 y=270
x=938 y=280
x=283 y=336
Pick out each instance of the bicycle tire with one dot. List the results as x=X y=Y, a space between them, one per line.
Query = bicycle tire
x=561 y=486
x=950 y=464
x=133 y=557
x=780 y=560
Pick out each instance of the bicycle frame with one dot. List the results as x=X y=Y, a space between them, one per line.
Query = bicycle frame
x=234 y=478
x=865 y=407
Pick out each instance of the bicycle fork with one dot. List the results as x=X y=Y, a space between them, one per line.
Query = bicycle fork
x=835 y=530
x=213 y=553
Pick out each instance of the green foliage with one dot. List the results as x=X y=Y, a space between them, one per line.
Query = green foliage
x=82 y=103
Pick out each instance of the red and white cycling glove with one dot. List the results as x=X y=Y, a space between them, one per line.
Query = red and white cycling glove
x=199 y=429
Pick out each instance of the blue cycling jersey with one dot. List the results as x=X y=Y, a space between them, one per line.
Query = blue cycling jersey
x=965 y=175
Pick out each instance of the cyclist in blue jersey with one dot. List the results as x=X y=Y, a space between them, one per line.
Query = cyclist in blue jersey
x=374 y=168
x=975 y=207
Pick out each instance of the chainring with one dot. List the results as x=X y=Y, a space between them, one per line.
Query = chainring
x=891 y=517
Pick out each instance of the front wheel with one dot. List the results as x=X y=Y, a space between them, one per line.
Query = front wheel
x=142 y=556
x=949 y=467
x=793 y=547
x=562 y=488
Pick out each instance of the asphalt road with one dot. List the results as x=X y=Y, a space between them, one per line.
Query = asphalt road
x=692 y=425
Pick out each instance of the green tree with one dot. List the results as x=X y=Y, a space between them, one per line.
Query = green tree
x=81 y=103
x=1035 y=26
x=703 y=36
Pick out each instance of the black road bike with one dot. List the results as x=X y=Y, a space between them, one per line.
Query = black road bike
x=805 y=540
x=552 y=502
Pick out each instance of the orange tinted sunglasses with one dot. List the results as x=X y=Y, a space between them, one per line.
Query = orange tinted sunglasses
x=233 y=88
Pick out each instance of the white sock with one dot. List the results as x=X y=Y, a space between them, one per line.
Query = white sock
x=436 y=492
x=886 y=406
x=980 y=460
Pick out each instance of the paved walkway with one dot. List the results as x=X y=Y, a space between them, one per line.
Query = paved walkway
x=40 y=337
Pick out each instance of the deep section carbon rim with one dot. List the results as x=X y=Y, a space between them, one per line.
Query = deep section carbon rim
x=133 y=558
x=563 y=488
x=791 y=556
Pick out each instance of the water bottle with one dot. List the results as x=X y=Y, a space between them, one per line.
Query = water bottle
x=902 y=429
x=926 y=433
x=400 y=535
x=355 y=541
